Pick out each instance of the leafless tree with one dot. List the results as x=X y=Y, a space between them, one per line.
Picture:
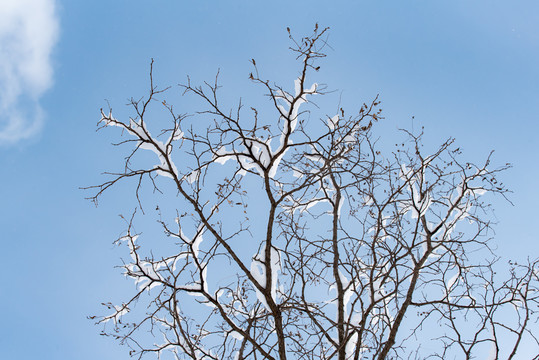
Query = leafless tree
x=293 y=238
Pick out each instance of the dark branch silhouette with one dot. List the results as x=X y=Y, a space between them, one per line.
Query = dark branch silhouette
x=298 y=238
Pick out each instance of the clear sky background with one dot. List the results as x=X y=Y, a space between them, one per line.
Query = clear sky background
x=467 y=69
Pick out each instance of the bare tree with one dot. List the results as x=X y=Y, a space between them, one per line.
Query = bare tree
x=294 y=238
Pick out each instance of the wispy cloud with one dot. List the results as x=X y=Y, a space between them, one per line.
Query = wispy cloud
x=28 y=33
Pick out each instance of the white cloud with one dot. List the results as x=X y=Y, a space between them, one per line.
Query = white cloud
x=28 y=33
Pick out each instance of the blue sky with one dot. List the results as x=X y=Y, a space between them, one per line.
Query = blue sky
x=466 y=69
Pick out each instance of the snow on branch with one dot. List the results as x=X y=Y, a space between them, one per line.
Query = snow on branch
x=287 y=232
